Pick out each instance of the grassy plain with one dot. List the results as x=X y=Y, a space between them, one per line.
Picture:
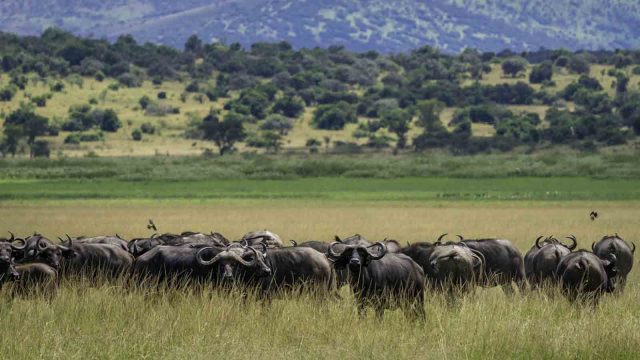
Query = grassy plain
x=307 y=198
x=109 y=322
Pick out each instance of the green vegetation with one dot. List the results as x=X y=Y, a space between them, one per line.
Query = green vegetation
x=406 y=189
x=276 y=98
x=162 y=168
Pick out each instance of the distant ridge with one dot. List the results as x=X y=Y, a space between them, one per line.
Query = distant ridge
x=360 y=25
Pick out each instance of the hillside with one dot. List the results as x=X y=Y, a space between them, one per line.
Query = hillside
x=63 y=95
x=378 y=25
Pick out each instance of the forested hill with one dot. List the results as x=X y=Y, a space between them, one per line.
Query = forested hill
x=381 y=25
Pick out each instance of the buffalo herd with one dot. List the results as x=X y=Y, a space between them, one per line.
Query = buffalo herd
x=381 y=275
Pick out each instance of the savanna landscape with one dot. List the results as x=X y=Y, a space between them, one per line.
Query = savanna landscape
x=116 y=150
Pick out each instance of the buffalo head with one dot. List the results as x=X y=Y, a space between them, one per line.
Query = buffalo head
x=236 y=260
x=50 y=253
x=355 y=256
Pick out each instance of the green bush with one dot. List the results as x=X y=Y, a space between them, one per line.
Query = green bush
x=73 y=138
x=136 y=134
x=7 y=93
x=334 y=117
x=40 y=148
x=148 y=128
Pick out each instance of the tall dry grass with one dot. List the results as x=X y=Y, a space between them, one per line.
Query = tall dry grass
x=112 y=322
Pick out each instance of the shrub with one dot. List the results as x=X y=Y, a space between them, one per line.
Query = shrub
x=136 y=134
x=90 y=137
x=513 y=66
x=278 y=123
x=162 y=95
x=154 y=109
x=129 y=80
x=57 y=87
x=541 y=73
x=289 y=106
x=579 y=64
x=72 y=139
x=7 y=93
x=147 y=128
x=334 y=117
x=192 y=87
x=144 y=102
x=40 y=148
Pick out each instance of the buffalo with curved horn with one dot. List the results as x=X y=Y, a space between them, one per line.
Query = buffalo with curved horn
x=272 y=270
x=381 y=279
x=584 y=276
x=8 y=250
x=623 y=251
x=543 y=258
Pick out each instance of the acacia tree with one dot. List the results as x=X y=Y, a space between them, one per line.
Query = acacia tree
x=223 y=133
x=429 y=113
x=397 y=121
x=513 y=66
x=12 y=136
x=26 y=122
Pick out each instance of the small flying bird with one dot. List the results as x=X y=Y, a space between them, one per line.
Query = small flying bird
x=152 y=226
x=593 y=215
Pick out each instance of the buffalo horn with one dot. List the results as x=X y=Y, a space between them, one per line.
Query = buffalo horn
x=24 y=243
x=201 y=260
x=41 y=244
x=574 y=240
x=331 y=250
x=439 y=241
x=383 y=250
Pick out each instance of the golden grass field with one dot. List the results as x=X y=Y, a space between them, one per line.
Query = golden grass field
x=108 y=322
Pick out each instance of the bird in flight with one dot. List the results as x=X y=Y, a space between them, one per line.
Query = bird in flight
x=152 y=226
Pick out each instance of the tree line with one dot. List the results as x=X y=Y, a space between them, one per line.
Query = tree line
x=271 y=85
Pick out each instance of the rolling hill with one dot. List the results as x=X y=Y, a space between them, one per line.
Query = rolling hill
x=386 y=26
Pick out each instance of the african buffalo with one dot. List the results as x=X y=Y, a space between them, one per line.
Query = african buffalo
x=317 y=245
x=96 y=259
x=140 y=246
x=8 y=271
x=381 y=279
x=420 y=253
x=111 y=240
x=543 y=258
x=454 y=268
x=175 y=265
x=35 y=278
x=272 y=270
x=623 y=252
x=41 y=249
x=393 y=246
x=584 y=276
x=270 y=239
x=503 y=263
